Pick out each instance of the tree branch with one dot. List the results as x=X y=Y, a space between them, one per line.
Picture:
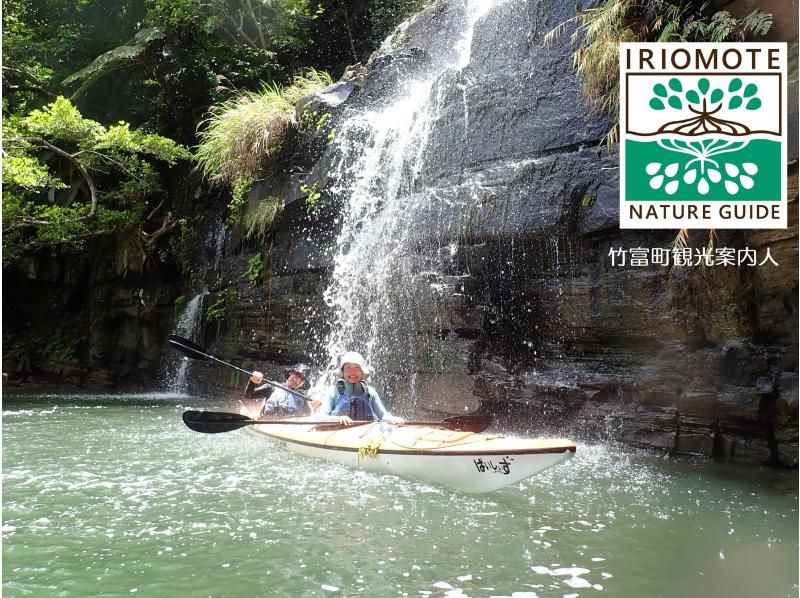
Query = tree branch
x=24 y=223
x=35 y=83
x=154 y=211
x=147 y=241
x=83 y=237
x=239 y=28
x=81 y=168
x=257 y=24
x=349 y=32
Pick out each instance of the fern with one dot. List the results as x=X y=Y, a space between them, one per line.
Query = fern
x=724 y=27
x=114 y=60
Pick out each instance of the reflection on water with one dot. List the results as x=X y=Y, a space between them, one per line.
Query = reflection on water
x=112 y=496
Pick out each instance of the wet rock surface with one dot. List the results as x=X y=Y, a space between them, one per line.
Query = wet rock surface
x=95 y=321
x=524 y=311
x=696 y=360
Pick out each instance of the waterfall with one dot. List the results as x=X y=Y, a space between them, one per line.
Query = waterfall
x=189 y=324
x=387 y=272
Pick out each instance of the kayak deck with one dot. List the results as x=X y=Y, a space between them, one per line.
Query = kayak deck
x=467 y=461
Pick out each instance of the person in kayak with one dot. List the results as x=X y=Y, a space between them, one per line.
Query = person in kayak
x=277 y=401
x=351 y=399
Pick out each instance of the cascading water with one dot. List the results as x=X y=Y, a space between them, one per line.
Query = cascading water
x=387 y=270
x=189 y=324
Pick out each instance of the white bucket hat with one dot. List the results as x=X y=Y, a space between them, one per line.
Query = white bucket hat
x=357 y=359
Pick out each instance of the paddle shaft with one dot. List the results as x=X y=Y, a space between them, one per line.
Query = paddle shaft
x=189 y=349
x=214 y=422
x=333 y=421
x=265 y=381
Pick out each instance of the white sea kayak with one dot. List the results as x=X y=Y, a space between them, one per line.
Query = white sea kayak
x=468 y=461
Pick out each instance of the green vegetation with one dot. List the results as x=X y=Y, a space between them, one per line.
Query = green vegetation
x=128 y=55
x=259 y=222
x=219 y=309
x=268 y=25
x=317 y=121
x=313 y=196
x=67 y=178
x=345 y=33
x=599 y=31
x=314 y=120
x=255 y=270
x=179 y=305
x=241 y=188
x=160 y=64
x=62 y=342
x=242 y=134
x=132 y=82
x=102 y=98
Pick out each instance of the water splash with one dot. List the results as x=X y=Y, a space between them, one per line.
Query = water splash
x=387 y=271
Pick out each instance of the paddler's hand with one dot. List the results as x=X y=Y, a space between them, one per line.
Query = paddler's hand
x=315 y=404
x=398 y=421
x=345 y=420
x=257 y=378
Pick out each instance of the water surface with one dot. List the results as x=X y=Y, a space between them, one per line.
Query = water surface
x=113 y=496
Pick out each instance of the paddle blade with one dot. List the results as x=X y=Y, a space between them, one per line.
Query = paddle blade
x=467 y=423
x=187 y=347
x=215 y=422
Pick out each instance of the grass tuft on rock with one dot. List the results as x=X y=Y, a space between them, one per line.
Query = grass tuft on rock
x=242 y=134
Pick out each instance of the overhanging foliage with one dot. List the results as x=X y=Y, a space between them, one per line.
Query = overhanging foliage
x=67 y=178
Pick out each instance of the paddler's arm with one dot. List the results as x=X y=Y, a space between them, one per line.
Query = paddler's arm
x=381 y=412
x=254 y=387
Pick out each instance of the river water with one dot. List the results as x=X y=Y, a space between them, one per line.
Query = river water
x=113 y=496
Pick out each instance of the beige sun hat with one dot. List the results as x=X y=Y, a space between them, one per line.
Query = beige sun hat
x=357 y=359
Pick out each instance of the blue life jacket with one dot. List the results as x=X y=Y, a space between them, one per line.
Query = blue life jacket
x=358 y=407
x=292 y=405
x=300 y=407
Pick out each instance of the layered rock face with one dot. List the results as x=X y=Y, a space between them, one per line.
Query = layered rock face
x=696 y=360
x=96 y=319
x=509 y=298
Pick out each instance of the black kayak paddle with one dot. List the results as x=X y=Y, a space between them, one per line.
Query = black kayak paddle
x=215 y=422
x=186 y=347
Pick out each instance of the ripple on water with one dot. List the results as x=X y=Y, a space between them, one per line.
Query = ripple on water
x=126 y=498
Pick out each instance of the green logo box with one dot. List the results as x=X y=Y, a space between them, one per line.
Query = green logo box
x=703 y=125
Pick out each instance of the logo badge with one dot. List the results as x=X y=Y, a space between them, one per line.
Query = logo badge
x=703 y=135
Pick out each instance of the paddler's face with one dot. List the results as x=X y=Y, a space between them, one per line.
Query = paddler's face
x=295 y=380
x=352 y=373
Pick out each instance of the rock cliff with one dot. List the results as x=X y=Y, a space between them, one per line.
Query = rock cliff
x=518 y=306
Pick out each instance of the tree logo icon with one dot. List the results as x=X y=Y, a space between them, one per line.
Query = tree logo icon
x=704 y=106
x=703 y=136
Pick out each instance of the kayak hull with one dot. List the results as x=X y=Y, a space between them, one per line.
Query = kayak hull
x=462 y=460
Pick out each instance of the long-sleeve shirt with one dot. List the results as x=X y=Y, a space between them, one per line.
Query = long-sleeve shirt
x=277 y=400
x=251 y=390
x=331 y=398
